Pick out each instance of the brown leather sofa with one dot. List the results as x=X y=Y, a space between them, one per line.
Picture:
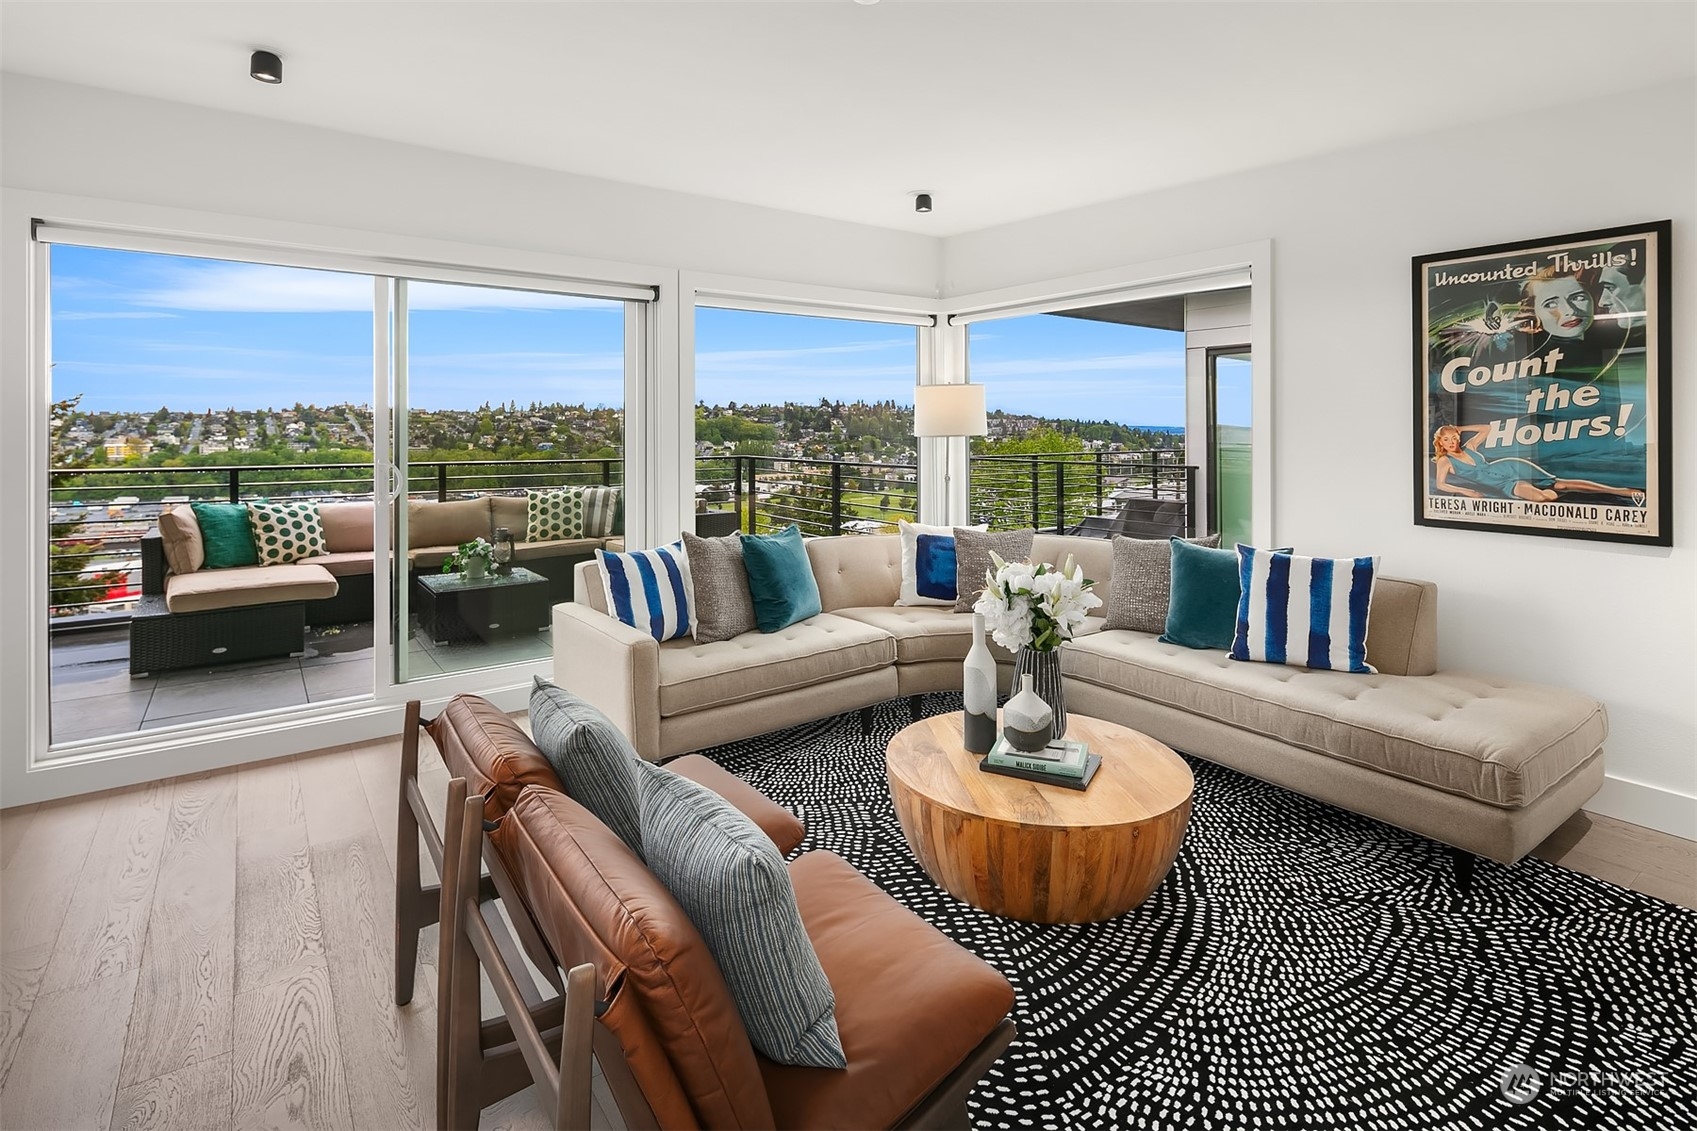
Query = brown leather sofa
x=921 y=1019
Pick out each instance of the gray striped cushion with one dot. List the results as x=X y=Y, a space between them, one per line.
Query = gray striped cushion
x=1142 y=586
x=734 y=887
x=724 y=607
x=595 y=761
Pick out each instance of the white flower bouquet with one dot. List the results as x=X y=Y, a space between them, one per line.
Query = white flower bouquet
x=1035 y=606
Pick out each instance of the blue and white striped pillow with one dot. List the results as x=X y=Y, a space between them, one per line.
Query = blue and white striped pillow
x=1306 y=611
x=649 y=589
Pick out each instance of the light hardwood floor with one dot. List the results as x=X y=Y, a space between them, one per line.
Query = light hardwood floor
x=213 y=951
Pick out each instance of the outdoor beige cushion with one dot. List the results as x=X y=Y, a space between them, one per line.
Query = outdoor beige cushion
x=350 y=564
x=822 y=648
x=511 y=511
x=1494 y=740
x=179 y=534
x=347 y=527
x=530 y=551
x=447 y=524
x=247 y=585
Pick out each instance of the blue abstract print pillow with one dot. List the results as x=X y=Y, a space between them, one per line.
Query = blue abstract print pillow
x=934 y=566
x=1310 y=612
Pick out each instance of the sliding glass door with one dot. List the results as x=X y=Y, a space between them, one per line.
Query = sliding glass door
x=509 y=441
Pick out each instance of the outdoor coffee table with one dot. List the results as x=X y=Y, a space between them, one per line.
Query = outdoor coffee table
x=1040 y=852
x=452 y=606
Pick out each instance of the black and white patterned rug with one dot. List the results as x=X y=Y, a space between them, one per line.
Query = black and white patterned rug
x=1300 y=968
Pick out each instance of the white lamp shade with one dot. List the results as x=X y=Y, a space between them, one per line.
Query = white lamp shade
x=949 y=410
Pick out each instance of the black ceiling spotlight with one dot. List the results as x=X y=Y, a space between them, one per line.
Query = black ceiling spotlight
x=266 y=67
x=922 y=202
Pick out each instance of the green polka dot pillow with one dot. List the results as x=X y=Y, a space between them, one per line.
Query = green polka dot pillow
x=286 y=532
x=570 y=512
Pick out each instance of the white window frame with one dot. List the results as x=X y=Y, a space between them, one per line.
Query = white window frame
x=1219 y=269
x=26 y=773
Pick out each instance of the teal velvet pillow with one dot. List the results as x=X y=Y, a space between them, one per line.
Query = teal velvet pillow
x=780 y=579
x=1206 y=588
x=227 y=531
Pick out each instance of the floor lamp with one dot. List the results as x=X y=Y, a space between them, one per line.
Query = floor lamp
x=948 y=411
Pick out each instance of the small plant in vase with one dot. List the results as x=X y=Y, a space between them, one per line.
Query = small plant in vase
x=1034 y=609
x=471 y=559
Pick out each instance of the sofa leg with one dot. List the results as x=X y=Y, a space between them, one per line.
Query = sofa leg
x=865 y=722
x=915 y=707
x=1464 y=862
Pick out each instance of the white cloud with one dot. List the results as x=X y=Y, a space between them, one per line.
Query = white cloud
x=254 y=288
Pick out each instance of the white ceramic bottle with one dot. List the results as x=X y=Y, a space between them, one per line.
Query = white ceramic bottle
x=978 y=690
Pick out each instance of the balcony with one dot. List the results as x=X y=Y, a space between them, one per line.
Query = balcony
x=100 y=516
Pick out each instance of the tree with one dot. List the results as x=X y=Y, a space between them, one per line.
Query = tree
x=69 y=551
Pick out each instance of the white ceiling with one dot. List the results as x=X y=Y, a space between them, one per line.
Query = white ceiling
x=838 y=109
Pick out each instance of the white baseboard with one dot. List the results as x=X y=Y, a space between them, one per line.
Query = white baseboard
x=1654 y=807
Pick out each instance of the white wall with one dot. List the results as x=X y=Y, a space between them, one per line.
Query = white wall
x=1619 y=622
x=85 y=142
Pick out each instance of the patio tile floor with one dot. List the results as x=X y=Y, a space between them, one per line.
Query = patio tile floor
x=93 y=694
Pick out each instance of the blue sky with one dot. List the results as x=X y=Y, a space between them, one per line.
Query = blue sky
x=134 y=331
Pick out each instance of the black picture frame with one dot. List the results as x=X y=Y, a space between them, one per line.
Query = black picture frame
x=1543 y=386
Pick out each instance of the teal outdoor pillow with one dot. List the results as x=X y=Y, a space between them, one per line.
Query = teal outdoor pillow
x=1205 y=592
x=226 y=529
x=780 y=579
x=595 y=761
x=729 y=879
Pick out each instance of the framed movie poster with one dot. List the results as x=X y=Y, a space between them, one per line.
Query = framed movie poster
x=1541 y=387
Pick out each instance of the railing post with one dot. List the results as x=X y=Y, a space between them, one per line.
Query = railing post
x=753 y=494
x=1036 y=497
x=235 y=485
x=442 y=482
x=1060 y=495
x=1189 y=500
x=736 y=488
x=606 y=473
x=1100 y=500
x=837 y=496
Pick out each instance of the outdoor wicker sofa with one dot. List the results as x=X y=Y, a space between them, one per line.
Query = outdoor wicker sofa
x=207 y=617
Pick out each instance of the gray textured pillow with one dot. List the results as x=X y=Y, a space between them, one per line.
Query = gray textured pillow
x=723 y=605
x=1142 y=585
x=596 y=762
x=972 y=559
x=734 y=887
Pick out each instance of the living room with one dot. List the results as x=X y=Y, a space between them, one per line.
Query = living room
x=149 y=135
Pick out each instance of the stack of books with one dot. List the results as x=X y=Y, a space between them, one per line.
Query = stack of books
x=1064 y=762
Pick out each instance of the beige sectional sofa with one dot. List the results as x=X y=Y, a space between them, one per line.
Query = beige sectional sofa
x=1488 y=765
x=190 y=616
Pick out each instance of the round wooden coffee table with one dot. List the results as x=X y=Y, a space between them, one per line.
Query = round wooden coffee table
x=1043 y=853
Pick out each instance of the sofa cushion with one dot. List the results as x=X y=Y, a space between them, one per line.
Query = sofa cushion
x=558 y=548
x=226 y=532
x=724 y=607
x=1096 y=555
x=483 y=744
x=780 y=578
x=179 y=536
x=512 y=512
x=1142 y=584
x=286 y=532
x=936 y=589
x=347 y=527
x=856 y=571
x=1306 y=611
x=972 y=559
x=232 y=588
x=911 y=1004
x=594 y=760
x=826 y=647
x=352 y=563
x=649 y=589
x=446 y=524
x=733 y=884
x=595 y=901
x=922 y=633
x=1494 y=740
